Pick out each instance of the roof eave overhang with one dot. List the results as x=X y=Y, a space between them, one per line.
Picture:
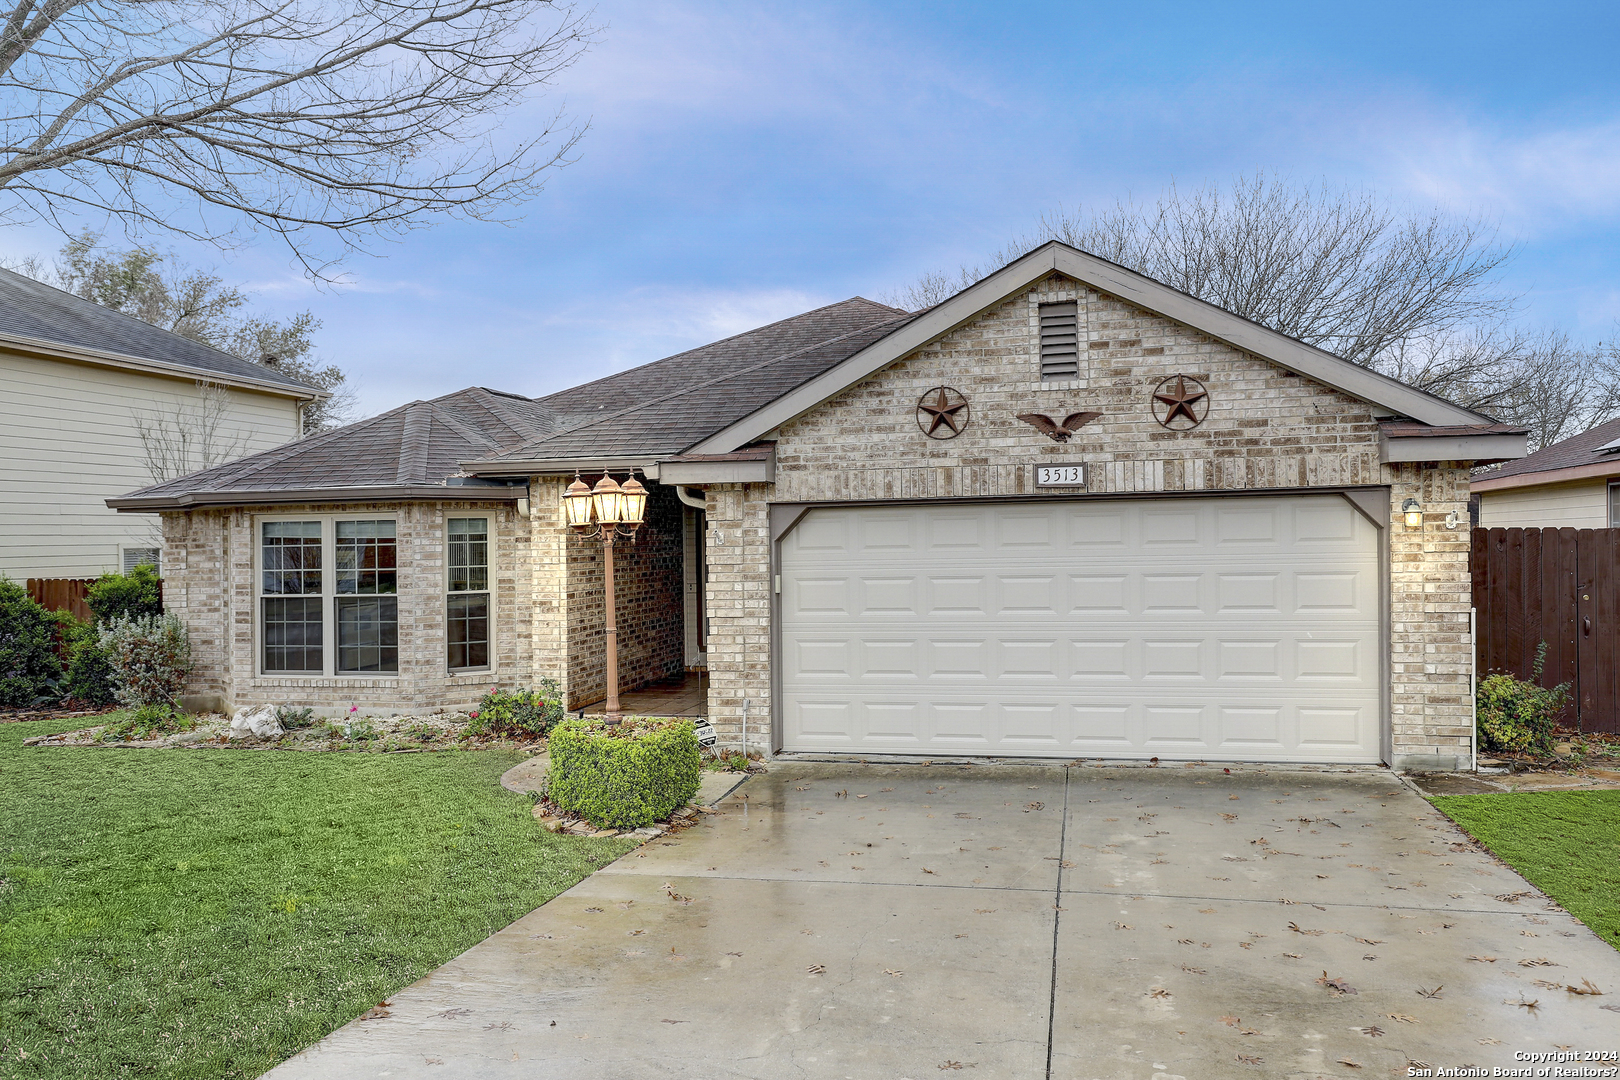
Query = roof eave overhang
x=77 y=354
x=1483 y=449
x=1597 y=470
x=1287 y=353
x=646 y=463
x=761 y=470
x=380 y=493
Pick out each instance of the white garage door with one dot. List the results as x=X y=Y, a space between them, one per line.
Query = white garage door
x=1194 y=628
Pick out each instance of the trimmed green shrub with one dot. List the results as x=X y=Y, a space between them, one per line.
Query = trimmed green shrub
x=625 y=776
x=1518 y=716
x=89 y=679
x=135 y=595
x=517 y=714
x=29 y=668
x=150 y=658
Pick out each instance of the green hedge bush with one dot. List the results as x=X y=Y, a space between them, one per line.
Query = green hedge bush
x=135 y=595
x=29 y=668
x=89 y=679
x=1518 y=716
x=626 y=776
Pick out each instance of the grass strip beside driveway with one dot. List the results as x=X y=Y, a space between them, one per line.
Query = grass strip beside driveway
x=1565 y=843
x=208 y=913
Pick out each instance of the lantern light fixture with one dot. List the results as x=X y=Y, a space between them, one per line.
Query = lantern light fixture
x=608 y=498
x=577 y=504
x=1414 y=513
x=633 y=503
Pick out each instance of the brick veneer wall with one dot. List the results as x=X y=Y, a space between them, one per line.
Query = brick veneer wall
x=1266 y=428
x=209 y=582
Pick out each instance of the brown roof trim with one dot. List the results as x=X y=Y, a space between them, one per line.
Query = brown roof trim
x=1406 y=429
x=756 y=452
x=382 y=493
x=1595 y=471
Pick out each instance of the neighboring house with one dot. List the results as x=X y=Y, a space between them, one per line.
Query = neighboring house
x=90 y=400
x=1574 y=484
x=890 y=533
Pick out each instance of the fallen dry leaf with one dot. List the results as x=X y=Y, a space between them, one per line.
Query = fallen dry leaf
x=1489 y=1042
x=1350 y=1064
x=1484 y=959
x=1536 y=961
x=1369 y=941
x=1431 y=993
x=1374 y=1031
x=1586 y=987
x=1294 y=955
x=1338 y=986
x=1230 y=1021
x=1532 y=1006
x=894 y=973
x=1158 y=992
x=1295 y=927
x=1189 y=969
x=1249 y=1059
x=816 y=969
x=1402 y=1018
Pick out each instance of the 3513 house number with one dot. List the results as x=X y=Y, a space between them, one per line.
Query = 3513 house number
x=1060 y=475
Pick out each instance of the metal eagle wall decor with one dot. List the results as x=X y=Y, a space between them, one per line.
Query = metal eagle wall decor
x=942 y=413
x=1180 y=398
x=1055 y=431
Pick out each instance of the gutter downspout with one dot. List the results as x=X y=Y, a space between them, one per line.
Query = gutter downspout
x=696 y=502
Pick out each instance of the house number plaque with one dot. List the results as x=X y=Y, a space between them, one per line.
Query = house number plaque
x=1060 y=476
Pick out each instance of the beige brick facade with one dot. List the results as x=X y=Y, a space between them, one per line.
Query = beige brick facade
x=1266 y=429
x=210 y=582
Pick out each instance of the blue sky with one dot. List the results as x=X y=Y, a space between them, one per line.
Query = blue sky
x=746 y=161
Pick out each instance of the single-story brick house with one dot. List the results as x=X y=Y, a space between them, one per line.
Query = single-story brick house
x=1069 y=512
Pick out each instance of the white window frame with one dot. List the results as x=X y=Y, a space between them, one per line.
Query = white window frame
x=490 y=521
x=1614 y=504
x=328 y=595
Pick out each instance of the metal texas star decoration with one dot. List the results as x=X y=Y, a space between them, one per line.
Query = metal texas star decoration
x=1180 y=399
x=942 y=407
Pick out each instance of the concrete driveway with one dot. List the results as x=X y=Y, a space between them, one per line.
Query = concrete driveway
x=875 y=922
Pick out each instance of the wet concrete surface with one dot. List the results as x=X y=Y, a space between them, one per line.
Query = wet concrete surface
x=878 y=922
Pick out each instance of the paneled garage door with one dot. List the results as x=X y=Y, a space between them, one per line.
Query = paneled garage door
x=1217 y=628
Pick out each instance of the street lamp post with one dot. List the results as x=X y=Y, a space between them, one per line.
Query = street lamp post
x=610 y=510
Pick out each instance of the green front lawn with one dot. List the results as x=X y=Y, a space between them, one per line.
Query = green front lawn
x=208 y=913
x=1565 y=843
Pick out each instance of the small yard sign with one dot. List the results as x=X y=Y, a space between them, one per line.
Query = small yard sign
x=1061 y=476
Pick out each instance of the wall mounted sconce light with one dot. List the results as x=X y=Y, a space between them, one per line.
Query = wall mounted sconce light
x=1414 y=513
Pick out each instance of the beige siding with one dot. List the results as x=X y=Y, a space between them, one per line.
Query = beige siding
x=68 y=442
x=1580 y=505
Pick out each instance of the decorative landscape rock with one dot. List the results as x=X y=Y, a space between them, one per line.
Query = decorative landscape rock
x=259 y=721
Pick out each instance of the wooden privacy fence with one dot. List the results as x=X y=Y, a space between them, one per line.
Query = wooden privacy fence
x=61 y=594
x=1561 y=586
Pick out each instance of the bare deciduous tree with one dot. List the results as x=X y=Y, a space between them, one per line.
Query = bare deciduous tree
x=187 y=437
x=1414 y=295
x=304 y=118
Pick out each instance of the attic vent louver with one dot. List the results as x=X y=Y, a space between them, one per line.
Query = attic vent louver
x=1060 y=341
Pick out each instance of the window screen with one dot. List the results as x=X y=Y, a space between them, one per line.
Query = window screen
x=141 y=556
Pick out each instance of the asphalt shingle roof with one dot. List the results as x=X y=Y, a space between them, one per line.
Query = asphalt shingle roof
x=420 y=444
x=34 y=310
x=1582 y=449
x=672 y=404
x=657 y=409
